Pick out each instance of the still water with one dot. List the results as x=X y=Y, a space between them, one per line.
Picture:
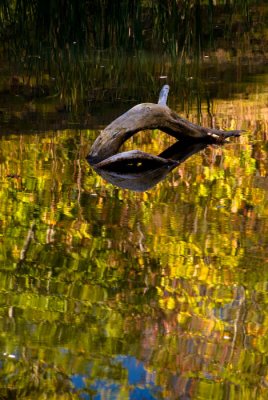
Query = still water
x=108 y=293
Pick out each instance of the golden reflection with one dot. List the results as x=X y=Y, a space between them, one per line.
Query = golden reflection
x=175 y=277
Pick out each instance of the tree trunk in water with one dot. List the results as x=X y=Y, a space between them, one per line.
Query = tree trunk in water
x=151 y=116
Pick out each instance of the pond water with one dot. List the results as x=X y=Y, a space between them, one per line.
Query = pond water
x=108 y=293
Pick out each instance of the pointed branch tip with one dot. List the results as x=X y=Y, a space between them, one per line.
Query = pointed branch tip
x=163 y=95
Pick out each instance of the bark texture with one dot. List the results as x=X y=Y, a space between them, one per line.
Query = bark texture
x=147 y=116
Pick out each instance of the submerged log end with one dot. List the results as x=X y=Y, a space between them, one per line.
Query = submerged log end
x=134 y=160
x=221 y=136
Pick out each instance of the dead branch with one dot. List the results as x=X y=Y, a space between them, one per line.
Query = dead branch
x=147 y=116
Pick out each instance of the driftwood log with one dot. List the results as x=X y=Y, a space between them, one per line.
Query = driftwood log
x=142 y=171
x=149 y=116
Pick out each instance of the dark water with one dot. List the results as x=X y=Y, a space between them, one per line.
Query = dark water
x=108 y=293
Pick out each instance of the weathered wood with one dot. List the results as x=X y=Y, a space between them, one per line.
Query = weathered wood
x=151 y=116
x=163 y=95
x=139 y=171
x=134 y=161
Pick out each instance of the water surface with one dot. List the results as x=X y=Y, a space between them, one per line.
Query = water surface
x=113 y=294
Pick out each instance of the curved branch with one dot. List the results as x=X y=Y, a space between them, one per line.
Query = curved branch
x=151 y=116
x=139 y=171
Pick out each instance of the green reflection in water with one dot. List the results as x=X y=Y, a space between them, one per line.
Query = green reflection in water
x=160 y=294
x=107 y=293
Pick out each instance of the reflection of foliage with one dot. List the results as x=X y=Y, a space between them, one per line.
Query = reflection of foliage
x=34 y=379
x=175 y=276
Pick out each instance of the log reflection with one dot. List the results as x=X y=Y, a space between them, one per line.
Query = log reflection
x=139 y=171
